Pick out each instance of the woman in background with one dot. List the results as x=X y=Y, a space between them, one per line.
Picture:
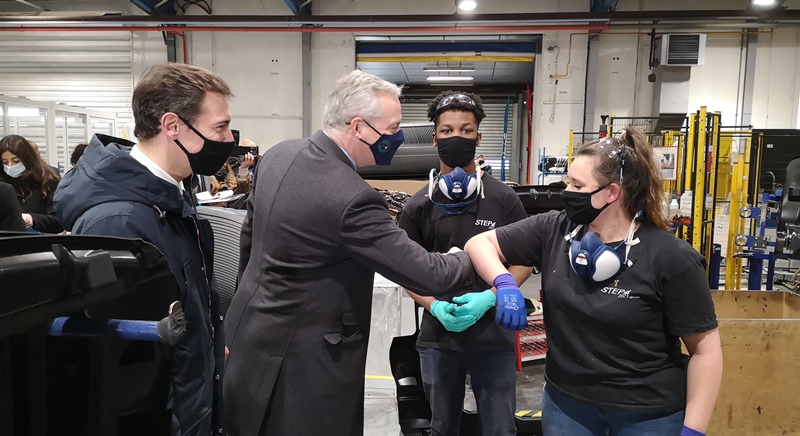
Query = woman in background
x=34 y=183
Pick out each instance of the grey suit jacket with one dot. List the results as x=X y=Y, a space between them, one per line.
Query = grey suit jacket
x=298 y=325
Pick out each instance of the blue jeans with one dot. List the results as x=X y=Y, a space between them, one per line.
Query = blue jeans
x=493 y=375
x=562 y=416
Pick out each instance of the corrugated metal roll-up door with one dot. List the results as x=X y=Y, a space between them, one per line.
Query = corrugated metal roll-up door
x=85 y=69
x=491 y=129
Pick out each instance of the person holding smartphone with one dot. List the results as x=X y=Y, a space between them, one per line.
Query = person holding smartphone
x=236 y=174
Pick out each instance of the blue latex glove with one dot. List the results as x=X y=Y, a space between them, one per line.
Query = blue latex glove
x=443 y=311
x=690 y=432
x=475 y=303
x=510 y=303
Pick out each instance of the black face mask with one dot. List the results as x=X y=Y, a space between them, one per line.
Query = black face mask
x=579 y=206
x=456 y=151
x=211 y=157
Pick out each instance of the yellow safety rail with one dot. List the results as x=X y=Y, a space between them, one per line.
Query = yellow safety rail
x=740 y=160
x=570 y=147
x=699 y=188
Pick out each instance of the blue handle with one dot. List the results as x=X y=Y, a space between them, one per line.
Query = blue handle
x=119 y=328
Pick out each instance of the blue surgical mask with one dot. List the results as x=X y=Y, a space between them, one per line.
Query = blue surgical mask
x=15 y=170
x=386 y=146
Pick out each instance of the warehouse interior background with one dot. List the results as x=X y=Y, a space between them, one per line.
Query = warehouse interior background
x=580 y=64
x=548 y=71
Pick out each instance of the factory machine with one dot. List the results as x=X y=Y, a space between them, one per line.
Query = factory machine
x=780 y=209
x=79 y=349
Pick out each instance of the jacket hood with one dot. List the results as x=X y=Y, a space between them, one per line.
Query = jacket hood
x=106 y=173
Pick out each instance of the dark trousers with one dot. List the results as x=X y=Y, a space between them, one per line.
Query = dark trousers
x=493 y=376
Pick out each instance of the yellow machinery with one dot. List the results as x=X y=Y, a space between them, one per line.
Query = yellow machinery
x=740 y=159
x=713 y=160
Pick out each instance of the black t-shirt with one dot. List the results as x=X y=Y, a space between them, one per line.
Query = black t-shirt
x=430 y=227
x=615 y=344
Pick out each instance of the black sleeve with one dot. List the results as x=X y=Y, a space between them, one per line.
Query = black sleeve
x=517 y=212
x=522 y=242
x=688 y=307
x=10 y=213
x=47 y=222
x=408 y=222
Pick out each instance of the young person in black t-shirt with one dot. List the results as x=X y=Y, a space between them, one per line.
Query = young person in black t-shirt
x=459 y=332
x=620 y=293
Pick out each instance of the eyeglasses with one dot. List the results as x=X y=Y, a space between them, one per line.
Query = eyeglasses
x=614 y=147
x=447 y=101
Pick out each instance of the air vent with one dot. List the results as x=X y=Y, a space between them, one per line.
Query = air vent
x=683 y=50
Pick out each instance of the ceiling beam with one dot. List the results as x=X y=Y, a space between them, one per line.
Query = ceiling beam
x=299 y=7
x=156 y=7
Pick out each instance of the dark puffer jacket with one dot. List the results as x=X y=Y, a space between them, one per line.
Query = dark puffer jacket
x=110 y=193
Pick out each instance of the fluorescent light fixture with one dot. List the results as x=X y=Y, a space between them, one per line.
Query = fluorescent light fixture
x=450 y=78
x=22 y=111
x=467 y=5
x=448 y=69
x=763 y=2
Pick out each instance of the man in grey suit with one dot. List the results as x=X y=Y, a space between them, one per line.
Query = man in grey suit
x=314 y=236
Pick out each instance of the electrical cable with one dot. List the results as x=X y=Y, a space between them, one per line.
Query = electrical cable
x=555 y=87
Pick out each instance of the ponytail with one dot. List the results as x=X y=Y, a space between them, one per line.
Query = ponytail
x=644 y=188
x=641 y=176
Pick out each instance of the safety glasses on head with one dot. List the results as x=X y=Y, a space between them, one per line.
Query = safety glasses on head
x=447 y=101
x=614 y=148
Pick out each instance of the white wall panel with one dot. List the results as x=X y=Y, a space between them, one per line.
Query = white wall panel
x=716 y=84
x=86 y=69
x=558 y=104
x=775 y=97
x=614 y=76
x=332 y=56
x=263 y=69
x=267 y=103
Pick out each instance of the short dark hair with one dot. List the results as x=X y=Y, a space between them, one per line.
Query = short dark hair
x=177 y=88
x=477 y=109
x=77 y=153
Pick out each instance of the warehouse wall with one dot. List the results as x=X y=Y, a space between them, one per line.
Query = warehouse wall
x=775 y=99
x=266 y=70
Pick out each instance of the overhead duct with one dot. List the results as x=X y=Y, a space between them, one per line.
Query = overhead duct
x=410 y=23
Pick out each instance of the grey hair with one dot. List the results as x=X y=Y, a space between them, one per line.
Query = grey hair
x=354 y=96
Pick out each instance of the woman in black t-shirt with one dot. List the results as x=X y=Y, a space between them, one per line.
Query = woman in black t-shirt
x=620 y=293
x=33 y=181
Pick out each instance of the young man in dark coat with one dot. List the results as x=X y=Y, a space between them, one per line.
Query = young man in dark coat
x=314 y=236
x=121 y=189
